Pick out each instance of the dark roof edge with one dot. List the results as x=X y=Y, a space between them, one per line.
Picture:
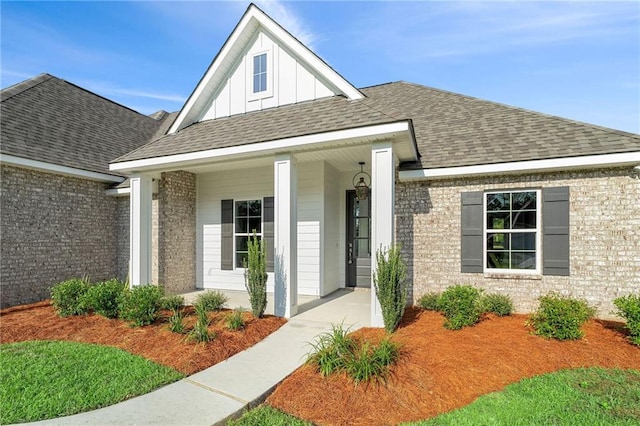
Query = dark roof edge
x=16 y=89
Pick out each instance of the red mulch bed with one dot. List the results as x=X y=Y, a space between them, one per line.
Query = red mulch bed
x=39 y=321
x=440 y=370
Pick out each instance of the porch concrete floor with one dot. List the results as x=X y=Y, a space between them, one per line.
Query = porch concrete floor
x=224 y=390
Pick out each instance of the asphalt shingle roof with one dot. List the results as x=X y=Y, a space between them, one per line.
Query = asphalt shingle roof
x=48 y=119
x=450 y=129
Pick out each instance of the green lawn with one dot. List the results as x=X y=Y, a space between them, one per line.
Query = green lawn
x=589 y=396
x=41 y=379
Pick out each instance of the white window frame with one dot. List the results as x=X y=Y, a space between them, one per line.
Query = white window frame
x=242 y=234
x=538 y=231
x=270 y=77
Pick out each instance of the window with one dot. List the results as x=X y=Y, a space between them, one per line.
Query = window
x=511 y=230
x=247 y=220
x=260 y=73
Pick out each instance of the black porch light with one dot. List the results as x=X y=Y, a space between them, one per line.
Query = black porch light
x=361 y=186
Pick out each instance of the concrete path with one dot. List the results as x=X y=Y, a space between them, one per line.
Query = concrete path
x=244 y=380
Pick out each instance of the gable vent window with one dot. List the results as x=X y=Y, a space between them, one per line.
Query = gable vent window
x=260 y=73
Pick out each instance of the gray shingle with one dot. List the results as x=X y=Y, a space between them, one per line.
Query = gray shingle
x=48 y=119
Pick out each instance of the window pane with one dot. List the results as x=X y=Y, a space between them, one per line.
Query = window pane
x=361 y=208
x=241 y=259
x=362 y=247
x=498 y=260
x=256 y=64
x=256 y=83
x=255 y=224
x=263 y=82
x=523 y=201
x=241 y=243
x=263 y=62
x=523 y=241
x=241 y=208
x=497 y=241
x=524 y=220
x=255 y=208
x=498 y=201
x=499 y=220
x=520 y=260
x=241 y=225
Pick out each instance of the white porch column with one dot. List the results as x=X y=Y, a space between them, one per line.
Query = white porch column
x=285 y=236
x=140 y=230
x=382 y=212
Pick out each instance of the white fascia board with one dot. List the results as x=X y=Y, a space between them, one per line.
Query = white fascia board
x=55 y=168
x=588 y=161
x=118 y=192
x=261 y=148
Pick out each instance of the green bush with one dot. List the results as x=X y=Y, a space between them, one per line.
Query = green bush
x=104 y=298
x=234 y=320
x=172 y=303
x=140 y=304
x=200 y=332
x=372 y=362
x=391 y=287
x=176 y=322
x=211 y=300
x=68 y=297
x=499 y=304
x=461 y=306
x=429 y=302
x=560 y=317
x=629 y=309
x=329 y=350
x=255 y=276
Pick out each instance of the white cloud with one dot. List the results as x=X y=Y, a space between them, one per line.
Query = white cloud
x=289 y=21
x=109 y=90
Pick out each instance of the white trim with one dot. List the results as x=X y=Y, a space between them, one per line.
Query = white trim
x=588 y=161
x=117 y=192
x=537 y=231
x=55 y=168
x=254 y=17
x=268 y=93
x=381 y=130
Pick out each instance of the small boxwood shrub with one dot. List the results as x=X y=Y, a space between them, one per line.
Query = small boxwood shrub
x=498 y=304
x=68 y=297
x=104 y=298
x=211 y=301
x=140 y=304
x=629 y=309
x=461 y=306
x=429 y=302
x=560 y=317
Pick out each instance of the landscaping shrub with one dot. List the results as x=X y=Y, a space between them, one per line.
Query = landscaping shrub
x=499 y=304
x=255 y=276
x=629 y=309
x=234 y=320
x=391 y=286
x=461 y=306
x=68 y=297
x=200 y=332
x=329 y=350
x=371 y=362
x=140 y=304
x=211 y=300
x=172 y=303
x=104 y=298
x=176 y=322
x=429 y=302
x=560 y=317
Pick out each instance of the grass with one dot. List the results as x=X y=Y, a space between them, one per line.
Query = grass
x=46 y=379
x=585 y=396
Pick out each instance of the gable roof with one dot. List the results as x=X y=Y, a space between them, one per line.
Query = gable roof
x=253 y=20
x=50 y=120
x=450 y=129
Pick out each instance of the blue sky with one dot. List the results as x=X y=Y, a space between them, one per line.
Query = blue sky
x=579 y=60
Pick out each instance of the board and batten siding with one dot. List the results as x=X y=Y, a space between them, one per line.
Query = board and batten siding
x=249 y=185
x=292 y=82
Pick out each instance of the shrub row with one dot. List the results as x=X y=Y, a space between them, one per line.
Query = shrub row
x=464 y=305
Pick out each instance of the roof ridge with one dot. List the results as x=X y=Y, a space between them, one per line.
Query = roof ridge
x=22 y=86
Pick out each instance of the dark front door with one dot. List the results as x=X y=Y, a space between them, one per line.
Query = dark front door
x=358 y=241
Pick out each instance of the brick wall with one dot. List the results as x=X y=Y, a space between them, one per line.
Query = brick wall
x=52 y=228
x=177 y=231
x=604 y=239
x=122 y=226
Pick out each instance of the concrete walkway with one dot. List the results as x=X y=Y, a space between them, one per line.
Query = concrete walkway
x=244 y=380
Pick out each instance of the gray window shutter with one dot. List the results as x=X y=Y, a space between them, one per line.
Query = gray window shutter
x=226 y=251
x=267 y=230
x=555 y=234
x=471 y=232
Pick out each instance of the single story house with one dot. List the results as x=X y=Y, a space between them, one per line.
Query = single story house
x=274 y=141
x=59 y=218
